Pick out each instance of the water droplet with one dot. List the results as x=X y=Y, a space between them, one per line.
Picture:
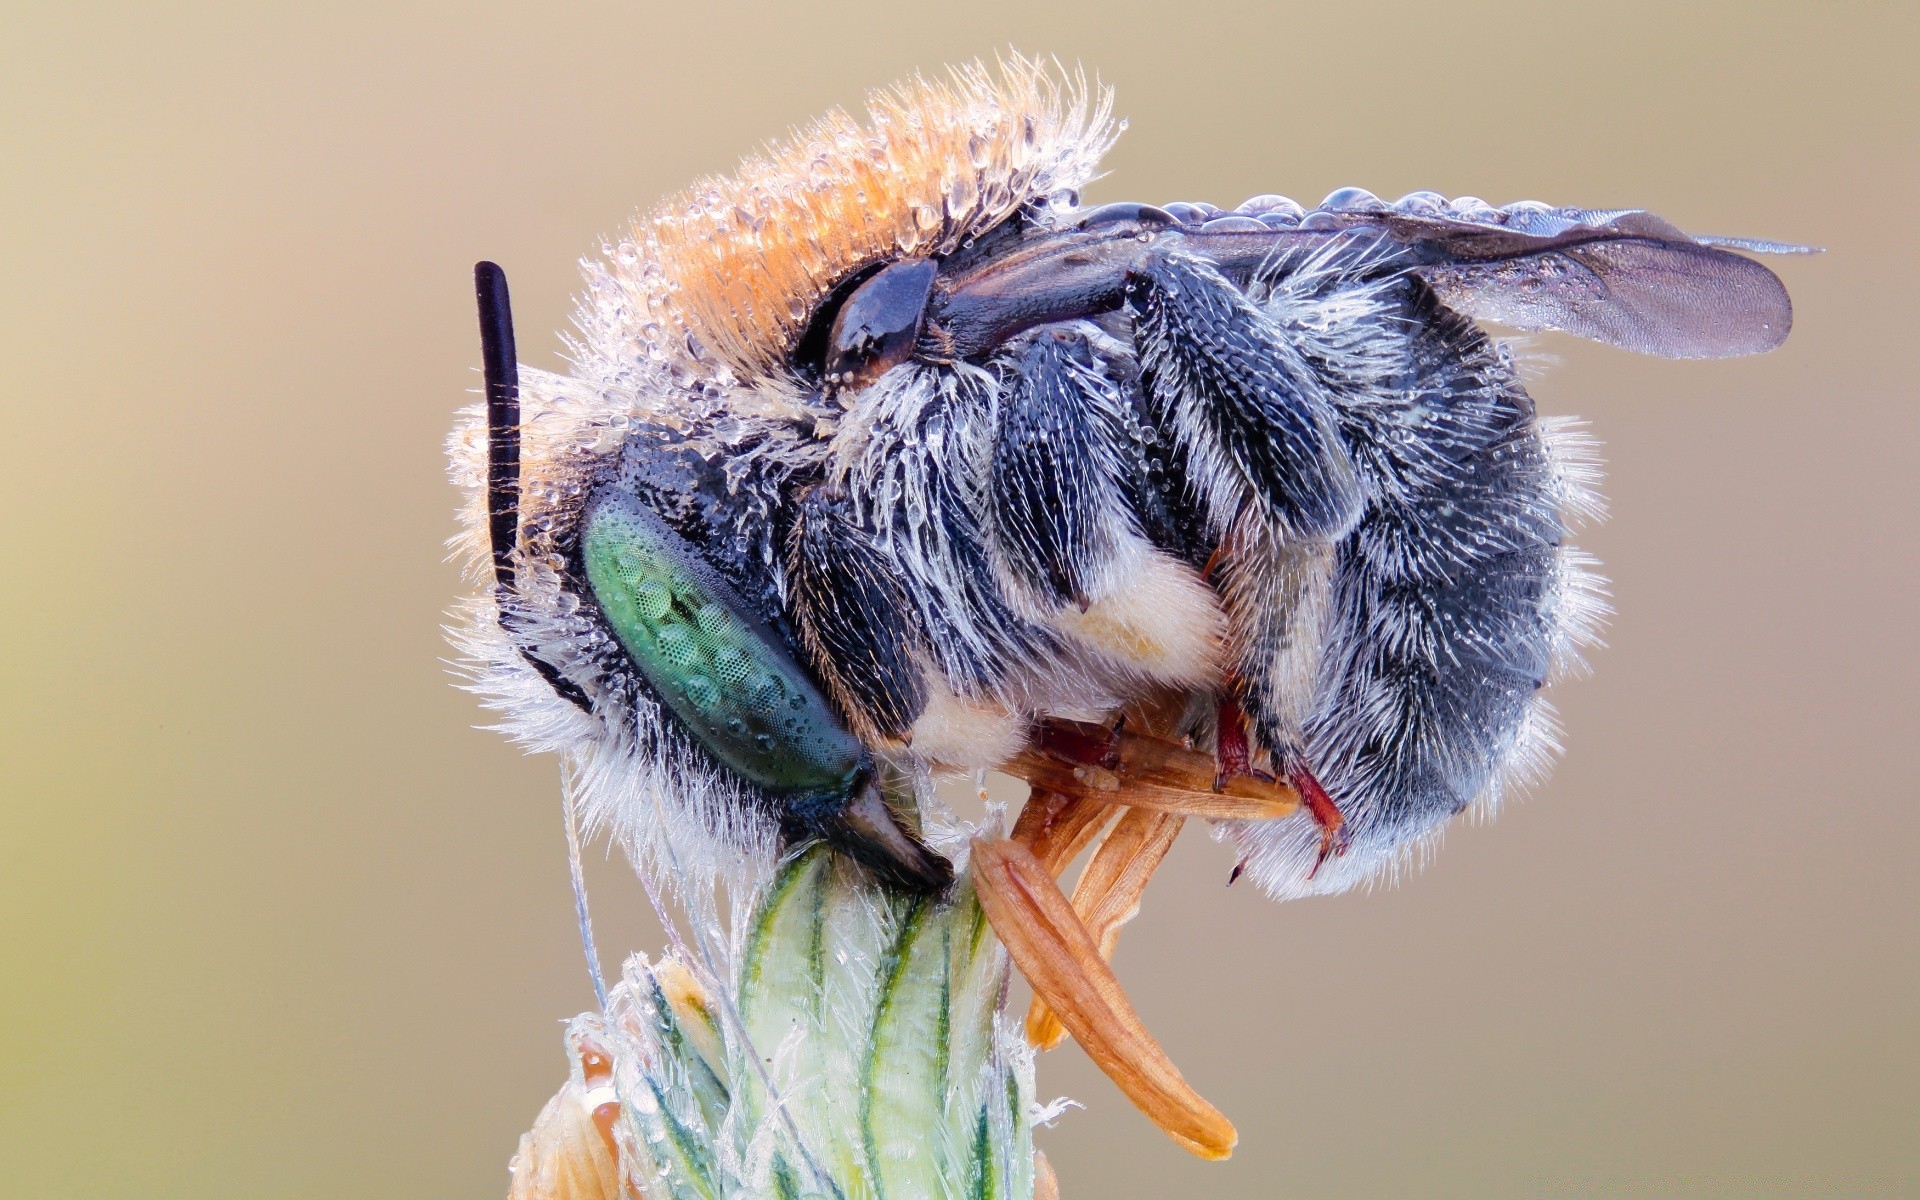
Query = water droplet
x=962 y=194
x=701 y=692
x=653 y=599
x=1233 y=223
x=732 y=665
x=1353 y=199
x=1256 y=205
x=764 y=694
x=1473 y=208
x=678 y=646
x=1421 y=204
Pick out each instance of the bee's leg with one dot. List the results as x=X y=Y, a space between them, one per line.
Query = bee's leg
x=1275 y=596
x=1446 y=609
x=1263 y=445
x=917 y=481
x=854 y=618
x=1233 y=757
x=1066 y=483
x=1055 y=504
x=1255 y=420
x=1325 y=813
x=1232 y=752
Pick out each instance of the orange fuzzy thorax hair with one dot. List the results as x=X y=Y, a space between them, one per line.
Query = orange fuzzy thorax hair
x=741 y=262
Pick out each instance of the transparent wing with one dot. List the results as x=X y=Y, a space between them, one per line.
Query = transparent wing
x=1620 y=276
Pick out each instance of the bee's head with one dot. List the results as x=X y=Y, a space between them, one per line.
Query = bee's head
x=713 y=337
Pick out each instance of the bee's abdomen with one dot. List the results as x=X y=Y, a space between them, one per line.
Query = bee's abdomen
x=1445 y=609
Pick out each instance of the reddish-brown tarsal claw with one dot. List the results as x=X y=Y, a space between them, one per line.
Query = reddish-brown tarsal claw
x=1232 y=753
x=1326 y=814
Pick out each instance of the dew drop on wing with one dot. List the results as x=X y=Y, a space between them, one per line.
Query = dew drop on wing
x=1233 y=223
x=1259 y=205
x=1421 y=204
x=1112 y=214
x=1353 y=199
x=1474 y=209
x=1531 y=216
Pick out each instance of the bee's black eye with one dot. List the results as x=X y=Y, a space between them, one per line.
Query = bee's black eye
x=879 y=325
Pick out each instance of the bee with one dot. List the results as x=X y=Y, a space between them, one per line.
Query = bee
x=885 y=458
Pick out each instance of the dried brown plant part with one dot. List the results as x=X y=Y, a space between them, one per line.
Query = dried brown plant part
x=570 y=1153
x=1046 y=1185
x=1108 y=895
x=1056 y=826
x=1053 y=950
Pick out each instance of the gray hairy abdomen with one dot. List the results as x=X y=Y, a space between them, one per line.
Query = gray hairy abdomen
x=1440 y=628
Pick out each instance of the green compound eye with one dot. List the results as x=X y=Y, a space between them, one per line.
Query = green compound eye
x=727 y=676
x=652 y=598
x=732 y=666
x=678 y=647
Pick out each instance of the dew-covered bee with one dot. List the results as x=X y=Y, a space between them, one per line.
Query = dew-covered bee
x=885 y=458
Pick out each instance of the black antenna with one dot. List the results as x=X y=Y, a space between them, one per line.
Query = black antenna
x=502 y=367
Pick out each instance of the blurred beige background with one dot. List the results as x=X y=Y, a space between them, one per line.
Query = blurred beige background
x=275 y=920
